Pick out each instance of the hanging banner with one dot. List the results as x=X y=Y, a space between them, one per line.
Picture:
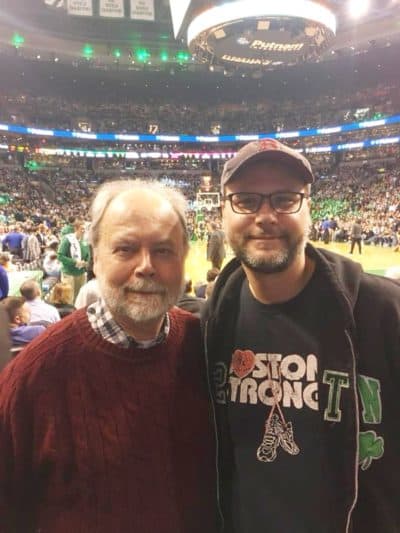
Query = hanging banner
x=142 y=9
x=111 y=8
x=179 y=9
x=81 y=8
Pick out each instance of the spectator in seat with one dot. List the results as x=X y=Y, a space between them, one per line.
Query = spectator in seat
x=5 y=338
x=5 y=262
x=60 y=295
x=88 y=294
x=4 y=284
x=19 y=316
x=51 y=265
x=190 y=303
x=202 y=288
x=41 y=312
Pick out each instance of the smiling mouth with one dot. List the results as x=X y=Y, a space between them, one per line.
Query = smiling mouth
x=143 y=293
x=265 y=238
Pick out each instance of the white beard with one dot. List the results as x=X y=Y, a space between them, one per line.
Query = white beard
x=125 y=302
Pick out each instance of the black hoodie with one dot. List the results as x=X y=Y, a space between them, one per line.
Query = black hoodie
x=362 y=341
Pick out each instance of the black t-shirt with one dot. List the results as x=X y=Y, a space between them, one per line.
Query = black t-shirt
x=282 y=481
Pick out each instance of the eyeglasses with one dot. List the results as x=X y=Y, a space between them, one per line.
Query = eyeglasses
x=283 y=202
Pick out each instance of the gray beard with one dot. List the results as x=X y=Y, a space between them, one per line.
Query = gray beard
x=141 y=311
x=278 y=261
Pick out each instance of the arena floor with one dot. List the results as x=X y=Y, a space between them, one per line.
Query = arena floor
x=374 y=259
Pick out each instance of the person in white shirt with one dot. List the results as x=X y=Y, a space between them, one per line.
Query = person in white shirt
x=41 y=312
x=88 y=294
x=51 y=265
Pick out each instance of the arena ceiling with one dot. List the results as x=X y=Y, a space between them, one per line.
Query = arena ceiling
x=42 y=30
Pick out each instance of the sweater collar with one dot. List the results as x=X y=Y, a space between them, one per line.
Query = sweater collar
x=103 y=323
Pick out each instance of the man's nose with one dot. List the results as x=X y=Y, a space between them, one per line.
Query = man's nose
x=266 y=211
x=145 y=265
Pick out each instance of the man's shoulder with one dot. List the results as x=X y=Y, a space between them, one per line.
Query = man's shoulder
x=64 y=240
x=357 y=283
x=190 y=303
x=182 y=316
x=51 y=308
x=44 y=306
x=380 y=289
x=184 y=321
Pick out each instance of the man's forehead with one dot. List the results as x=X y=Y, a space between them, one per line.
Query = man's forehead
x=137 y=227
x=162 y=233
x=141 y=215
x=266 y=175
x=139 y=197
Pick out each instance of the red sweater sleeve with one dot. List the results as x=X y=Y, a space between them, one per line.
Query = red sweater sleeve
x=15 y=456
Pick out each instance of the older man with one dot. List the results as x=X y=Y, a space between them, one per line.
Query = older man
x=304 y=358
x=104 y=422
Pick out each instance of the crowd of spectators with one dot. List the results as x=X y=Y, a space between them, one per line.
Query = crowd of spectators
x=354 y=188
x=264 y=115
x=40 y=206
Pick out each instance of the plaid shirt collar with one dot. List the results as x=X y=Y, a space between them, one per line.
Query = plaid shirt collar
x=104 y=324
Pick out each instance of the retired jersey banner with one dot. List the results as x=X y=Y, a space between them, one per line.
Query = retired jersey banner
x=81 y=8
x=111 y=8
x=142 y=9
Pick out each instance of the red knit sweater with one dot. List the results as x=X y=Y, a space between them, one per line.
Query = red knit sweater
x=95 y=438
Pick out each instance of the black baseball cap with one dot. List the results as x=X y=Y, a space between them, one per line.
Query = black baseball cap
x=267 y=150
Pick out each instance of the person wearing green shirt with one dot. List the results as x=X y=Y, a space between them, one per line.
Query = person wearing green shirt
x=74 y=254
x=69 y=227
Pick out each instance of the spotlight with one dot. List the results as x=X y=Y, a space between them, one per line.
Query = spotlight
x=358 y=8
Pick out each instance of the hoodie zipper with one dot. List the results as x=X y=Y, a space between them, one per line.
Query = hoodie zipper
x=348 y=530
x=221 y=516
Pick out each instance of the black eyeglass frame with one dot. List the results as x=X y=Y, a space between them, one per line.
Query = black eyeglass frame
x=261 y=199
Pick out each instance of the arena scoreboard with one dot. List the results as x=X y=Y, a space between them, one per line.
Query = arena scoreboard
x=254 y=33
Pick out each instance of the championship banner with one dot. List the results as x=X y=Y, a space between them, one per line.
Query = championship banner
x=142 y=9
x=111 y=8
x=81 y=8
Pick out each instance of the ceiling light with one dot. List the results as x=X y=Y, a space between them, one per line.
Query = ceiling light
x=219 y=34
x=358 y=8
x=263 y=25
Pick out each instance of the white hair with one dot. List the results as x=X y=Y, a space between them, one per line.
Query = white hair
x=111 y=189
